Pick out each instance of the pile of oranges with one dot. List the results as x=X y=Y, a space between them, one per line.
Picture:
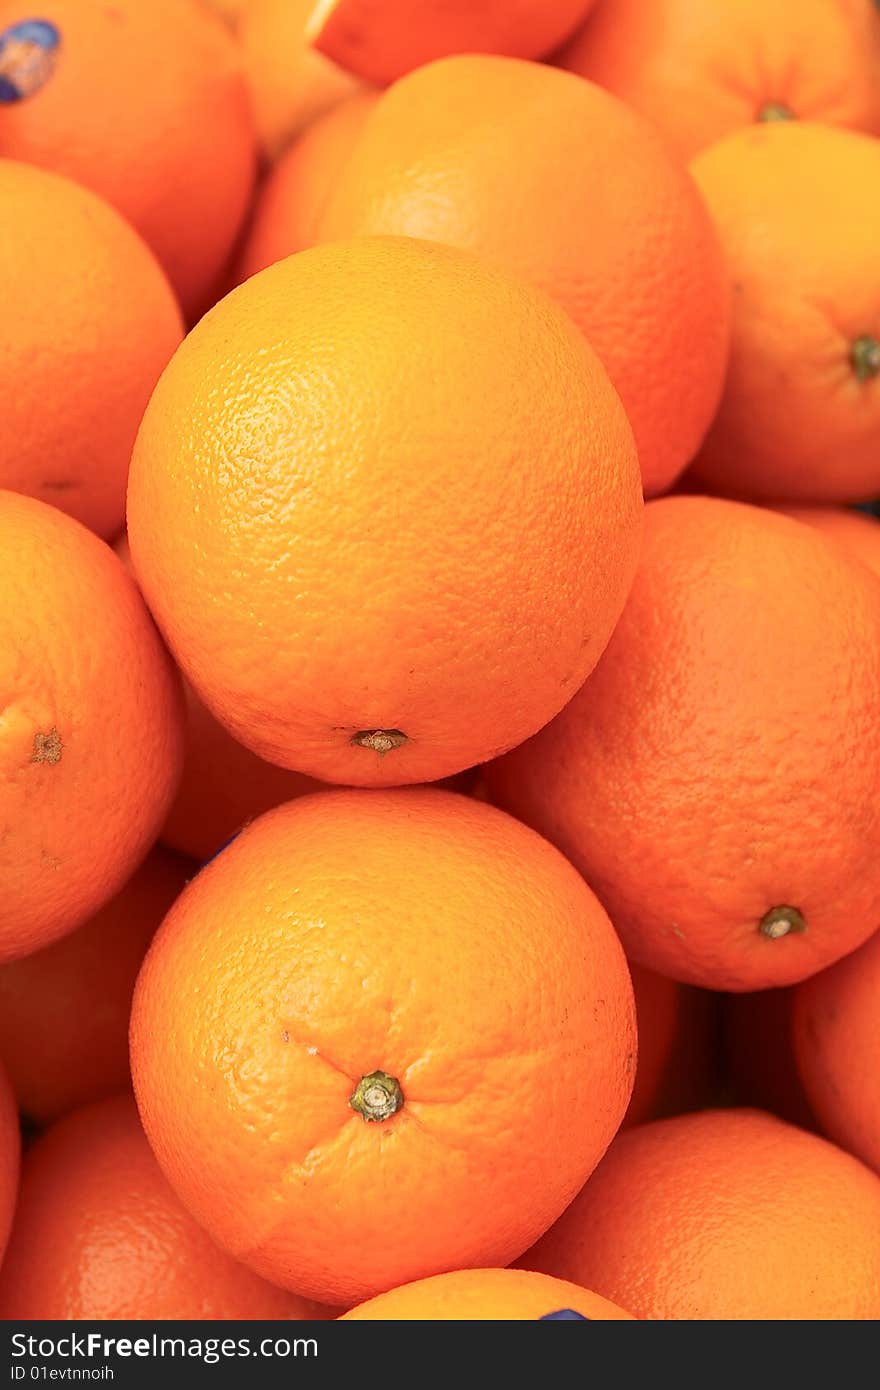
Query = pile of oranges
x=440 y=656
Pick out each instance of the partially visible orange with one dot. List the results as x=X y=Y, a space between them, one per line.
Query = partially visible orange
x=99 y=1235
x=295 y=192
x=381 y=40
x=563 y=184
x=796 y=206
x=678 y=1047
x=145 y=102
x=89 y=323
x=64 y=1010
x=385 y=506
x=10 y=1158
x=290 y=83
x=759 y=1061
x=91 y=733
x=481 y=1295
x=701 y=70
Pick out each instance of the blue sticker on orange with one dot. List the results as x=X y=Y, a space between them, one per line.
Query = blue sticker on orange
x=28 y=52
x=564 y=1315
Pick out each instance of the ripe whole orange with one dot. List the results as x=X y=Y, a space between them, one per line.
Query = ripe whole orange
x=480 y=1295
x=290 y=84
x=701 y=71
x=742 y=682
x=293 y=196
x=836 y=1032
x=857 y=533
x=383 y=39
x=90 y=321
x=407 y=1003
x=10 y=1158
x=560 y=182
x=146 y=104
x=796 y=206
x=384 y=504
x=91 y=729
x=723 y=1215
x=64 y=1011
x=99 y=1234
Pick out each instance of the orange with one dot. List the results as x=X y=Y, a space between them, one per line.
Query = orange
x=91 y=727
x=724 y=1215
x=481 y=1295
x=293 y=197
x=10 y=1154
x=836 y=1032
x=677 y=1047
x=146 y=104
x=408 y=1005
x=560 y=182
x=290 y=84
x=100 y=1235
x=701 y=71
x=384 y=503
x=796 y=206
x=858 y=534
x=90 y=321
x=717 y=780
x=64 y=1010
x=759 y=1056
x=383 y=39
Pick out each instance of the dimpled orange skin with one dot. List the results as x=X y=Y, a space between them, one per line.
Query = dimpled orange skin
x=560 y=182
x=724 y=1215
x=677 y=1047
x=383 y=39
x=64 y=1010
x=742 y=681
x=836 y=1031
x=416 y=933
x=384 y=486
x=480 y=1295
x=291 y=200
x=99 y=1234
x=147 y=106
x=10 y=1158
x=797 y=206
x=91 y=730
x=290 y=84
x=701 y=71
x=857 y=533
x=90 y=321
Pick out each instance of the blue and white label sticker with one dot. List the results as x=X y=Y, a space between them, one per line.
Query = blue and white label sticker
x=28 y=53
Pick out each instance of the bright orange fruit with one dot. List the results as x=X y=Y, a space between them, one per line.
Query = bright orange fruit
x=90 y=321
x=724 y=1215
x=742 y=682
x=385 y=505
x=100 y=1235
x=383 y=39
x=857 y=533
x=796 y=207
x=408 y=1005
x=91 y=733
x=143 y=101
x=836 y=1033
x=480 y=1295
x=293 y=196
x=560 y=182
x=701 y=71
x=64 y=1010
